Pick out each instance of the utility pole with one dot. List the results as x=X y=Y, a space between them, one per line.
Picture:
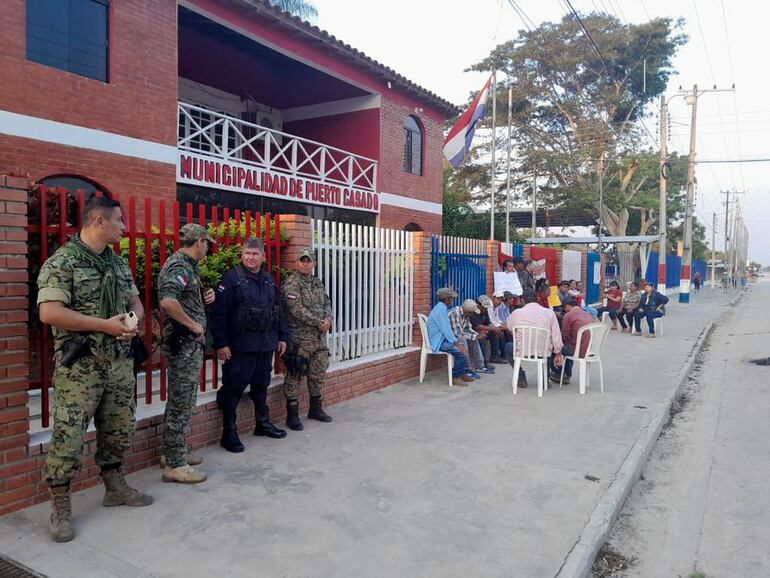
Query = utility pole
x=663 y=246
x=494 y=166
x=508 y=170
x=534 y=204
x=684 y=281
x=713 y=250
x=727 y=231
x=601 y=204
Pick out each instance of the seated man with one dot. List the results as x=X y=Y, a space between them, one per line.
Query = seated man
x=442 y=338
x=651 y=306
x=614 y=303
x=501 y=313
x=574 y=319
x=532 y=314
x=460 y=320
x=490 y=333
x=629 y=307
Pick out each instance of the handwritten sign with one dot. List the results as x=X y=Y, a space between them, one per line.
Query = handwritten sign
x=553 y=297
x=507 y=282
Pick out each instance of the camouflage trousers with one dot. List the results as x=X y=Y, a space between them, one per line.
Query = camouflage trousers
x=184 y=374
x=98 y=388
x=318 y=354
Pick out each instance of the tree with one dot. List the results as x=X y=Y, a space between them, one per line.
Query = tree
x=301 y=8
x=577 y=115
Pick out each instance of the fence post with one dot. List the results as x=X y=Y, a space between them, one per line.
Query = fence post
x=17 y=472
x=300 y=237
x=422 y=283
x=493 y=248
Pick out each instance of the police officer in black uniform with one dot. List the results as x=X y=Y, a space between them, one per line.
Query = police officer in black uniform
x=248 y=326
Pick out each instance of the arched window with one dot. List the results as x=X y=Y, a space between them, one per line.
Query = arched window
x=412 y=227
x=412 y=146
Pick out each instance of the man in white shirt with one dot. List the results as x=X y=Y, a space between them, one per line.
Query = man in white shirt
x=533 y=315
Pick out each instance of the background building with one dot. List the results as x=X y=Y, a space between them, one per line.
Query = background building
x=217 y=102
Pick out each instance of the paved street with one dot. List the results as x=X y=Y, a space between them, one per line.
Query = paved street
x=705 y=502
x=415 y=480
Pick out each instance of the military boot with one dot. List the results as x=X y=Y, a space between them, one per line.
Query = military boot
x=292 y=415
x=230 y=440
x=119 y=493
x=264 y=427
x=61 y=514
x=316 y=411
x=193 y=458
x=183 y=475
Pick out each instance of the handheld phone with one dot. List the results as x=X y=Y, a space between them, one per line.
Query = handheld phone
x=131 y=320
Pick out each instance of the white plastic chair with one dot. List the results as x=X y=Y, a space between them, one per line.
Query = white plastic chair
x=426 y=350
x=606 y=314
x=597 y=332
x=534 y=349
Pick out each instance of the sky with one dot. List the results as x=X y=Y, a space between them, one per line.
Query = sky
x=432 y=43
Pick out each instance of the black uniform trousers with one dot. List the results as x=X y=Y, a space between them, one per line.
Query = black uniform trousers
x=246 y=368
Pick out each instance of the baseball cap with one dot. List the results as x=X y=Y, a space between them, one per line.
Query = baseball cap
x=193 y=232
x=446 y=293
x=471 y=305
x=308 y=253
x=570 y=301
x=508 y=295
x=499 y=294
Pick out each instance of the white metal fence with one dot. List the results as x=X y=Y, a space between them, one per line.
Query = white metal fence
x=369 y=274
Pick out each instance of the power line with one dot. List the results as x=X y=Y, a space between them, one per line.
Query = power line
x=735 y=96
x=588 y=34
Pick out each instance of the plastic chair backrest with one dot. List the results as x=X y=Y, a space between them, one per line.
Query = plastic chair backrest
x=534 y=341
x=423 y=321
x=597 y=333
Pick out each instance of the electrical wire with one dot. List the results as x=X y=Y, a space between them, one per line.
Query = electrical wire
x=735 y=96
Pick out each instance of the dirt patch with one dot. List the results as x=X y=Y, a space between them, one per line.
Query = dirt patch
x=761 y=361
x=691 y=387
x=608 y=562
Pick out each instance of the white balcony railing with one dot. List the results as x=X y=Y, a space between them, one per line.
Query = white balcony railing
x=227 y=138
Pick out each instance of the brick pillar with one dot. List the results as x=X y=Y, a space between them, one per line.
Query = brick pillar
x=17 y=473
x=493 y=250
x=422 y=288
x=300 y=237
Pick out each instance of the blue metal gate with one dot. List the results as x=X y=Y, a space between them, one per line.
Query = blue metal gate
x=593 y=277
x=460 y=264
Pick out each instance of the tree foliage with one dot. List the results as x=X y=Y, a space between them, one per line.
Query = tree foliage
x=301 y=8
x=577 y=117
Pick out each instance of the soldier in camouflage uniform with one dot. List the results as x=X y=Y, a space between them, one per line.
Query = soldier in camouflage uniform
x=309 y=313
x=84 y=292
x=182 y=300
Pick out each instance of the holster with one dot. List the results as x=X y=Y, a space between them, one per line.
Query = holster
x=296 y=364
x=179 y=333
x=75 y=348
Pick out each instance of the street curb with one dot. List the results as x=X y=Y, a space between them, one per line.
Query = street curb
x=580 y=559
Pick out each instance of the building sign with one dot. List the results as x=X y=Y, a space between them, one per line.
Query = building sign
x=205 y=171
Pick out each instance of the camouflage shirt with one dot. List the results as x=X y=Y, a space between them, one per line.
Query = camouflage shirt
x=307 y=304
x=77 y=284
x=180 y=279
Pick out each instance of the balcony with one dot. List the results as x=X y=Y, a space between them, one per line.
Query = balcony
x=219 y=150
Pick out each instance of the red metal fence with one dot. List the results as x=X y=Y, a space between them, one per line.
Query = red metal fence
x=54 y=216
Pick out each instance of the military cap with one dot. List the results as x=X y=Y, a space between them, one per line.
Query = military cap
x=446 y=293
x=193 y=232
x=306 y=253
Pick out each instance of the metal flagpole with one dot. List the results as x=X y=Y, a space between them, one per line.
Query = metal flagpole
x=508 y=170
x=494 y=166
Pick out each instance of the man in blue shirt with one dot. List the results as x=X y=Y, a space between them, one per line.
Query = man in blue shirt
x=442 y=338
x=651 y=306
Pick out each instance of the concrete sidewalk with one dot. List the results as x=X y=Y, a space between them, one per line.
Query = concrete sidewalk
x=414 y=480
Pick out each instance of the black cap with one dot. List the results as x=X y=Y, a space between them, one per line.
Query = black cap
x=570 y=301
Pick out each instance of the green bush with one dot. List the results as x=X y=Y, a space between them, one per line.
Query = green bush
x=212 y=267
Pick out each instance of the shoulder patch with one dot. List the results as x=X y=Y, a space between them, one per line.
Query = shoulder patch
x=181 y=280
x=221 y=288
x=291 y=296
